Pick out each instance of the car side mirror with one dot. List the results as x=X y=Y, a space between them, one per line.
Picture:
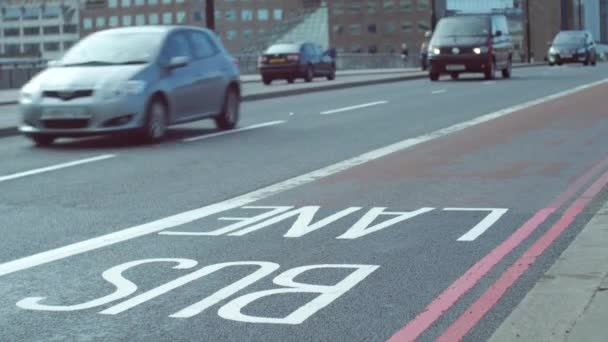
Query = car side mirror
x=178 y=62
x=498 y=33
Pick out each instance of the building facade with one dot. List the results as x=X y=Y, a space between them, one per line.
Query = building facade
x=378 y=25
x=38 y=28
x=238 y=22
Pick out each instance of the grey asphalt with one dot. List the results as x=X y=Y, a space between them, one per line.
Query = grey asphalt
x=519 y=163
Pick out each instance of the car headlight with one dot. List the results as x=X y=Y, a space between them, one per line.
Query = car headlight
x=480 y=50
x=582 y=50
x=123 y=89
x=434 y=50
x=28 y=93
x=553 y=50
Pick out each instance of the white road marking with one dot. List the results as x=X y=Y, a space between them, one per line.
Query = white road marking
x=55 y=167
x=440 y=91
x=248 y=128
x=489 y=82
x=494 y=215
x=292 y=114
x=260 y=194
x=345 y=109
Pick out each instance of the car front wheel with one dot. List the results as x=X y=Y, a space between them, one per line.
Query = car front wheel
x=490 y=72
x=157 y=121
x=309 y=74
x=229 y=117
x=506 y=72
x=42 y=140
x=433 y=76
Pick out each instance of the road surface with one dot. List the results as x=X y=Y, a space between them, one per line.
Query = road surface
x=406 y=210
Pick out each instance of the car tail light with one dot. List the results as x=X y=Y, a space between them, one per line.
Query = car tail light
x=293 y=58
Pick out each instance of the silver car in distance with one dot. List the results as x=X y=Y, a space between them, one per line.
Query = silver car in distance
x=133 y=80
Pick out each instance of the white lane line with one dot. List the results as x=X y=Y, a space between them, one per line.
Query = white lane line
x=55 y=167
x=238 y=130
x=345 y=109
x=263 y=193
x=489 y=82
x=439 y=91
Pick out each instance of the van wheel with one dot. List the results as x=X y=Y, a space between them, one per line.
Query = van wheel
x=290 y=80
x=490 y=72
x=454 y=76
x=434 y=76
x=506 y=72
x=42 y=140
x=229 y=117
x=266 y=80
x=157 y=117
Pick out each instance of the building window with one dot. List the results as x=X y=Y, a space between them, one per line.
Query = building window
x=424 y=5
x=372 y=28
x=389 y=5
x=166 y=2
x=218 y=15
x=406 y=26
x=277 y=14
x=247 y=34
x=405 y=5
x=389 y=28
x=338 y=29
x=246 y=15
x=153 y=2
x=31 y=13
x=50 y=30
x=373 y=49
x=51 y=46
x=126 y=3
x=180 y=17
x=167 y=18
x=31 y=31
x=153 y=19
x=179 y=1
x=355 y=7
x=338 y=8
x=112 y=3
x=139 y=2
x=424 y=25
x=126 y=20
x=230 y=15
x=263 y=15
x=140 y=20
x=11 y=14
x=70 y=28
x=11 y=32
x=51 y=12
x=87 y=23
x=372 y=6
x=262 y=32
x=355 y=29
x=197 y=16
x=113 y=21
x=231 y=35
x=31 y=49
x=100 y=22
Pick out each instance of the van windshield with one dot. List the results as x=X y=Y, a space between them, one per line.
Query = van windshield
x=463 y=26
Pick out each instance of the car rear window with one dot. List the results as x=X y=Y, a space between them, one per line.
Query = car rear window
x=463 y=26
x=283 y=48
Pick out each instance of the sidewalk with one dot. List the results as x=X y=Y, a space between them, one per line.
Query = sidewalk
x=570 y=302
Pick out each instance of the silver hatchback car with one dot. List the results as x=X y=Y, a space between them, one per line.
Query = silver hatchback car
x=137 y=79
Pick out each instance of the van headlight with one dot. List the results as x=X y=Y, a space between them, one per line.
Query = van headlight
x=434 y=50
x=553 y=50
x=480 y=50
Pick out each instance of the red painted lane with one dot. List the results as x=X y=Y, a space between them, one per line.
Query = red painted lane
x=467 y=281
x=494 y=293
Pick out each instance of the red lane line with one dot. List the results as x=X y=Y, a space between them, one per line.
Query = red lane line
x=469 y=279
x=494 y=293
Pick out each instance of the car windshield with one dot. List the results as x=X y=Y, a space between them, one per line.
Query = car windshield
x=463 y=26
x=283 y=48
x=114 y=48
x=569 y=39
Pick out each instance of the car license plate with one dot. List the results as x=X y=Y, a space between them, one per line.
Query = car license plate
x=64 y=113
x=277 y=60
x=455 y=67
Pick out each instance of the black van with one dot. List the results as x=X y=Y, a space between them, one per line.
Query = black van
x=478 y=43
